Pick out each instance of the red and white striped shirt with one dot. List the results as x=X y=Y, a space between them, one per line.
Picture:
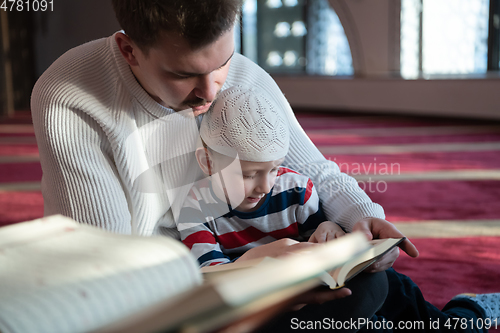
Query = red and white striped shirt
x=214 y=232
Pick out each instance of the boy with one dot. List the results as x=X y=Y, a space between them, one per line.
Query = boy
x=250 y=200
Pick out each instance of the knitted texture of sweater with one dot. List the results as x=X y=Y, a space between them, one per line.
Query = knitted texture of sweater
x=114 y=158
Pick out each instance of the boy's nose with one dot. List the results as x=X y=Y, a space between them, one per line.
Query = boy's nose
x=264 y=185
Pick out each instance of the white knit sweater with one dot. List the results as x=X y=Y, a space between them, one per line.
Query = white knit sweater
x=114 y=158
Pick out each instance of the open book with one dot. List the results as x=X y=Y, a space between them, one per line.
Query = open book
x=57 y=275
x=60 y=276
x=335 y=278
x=356 y=265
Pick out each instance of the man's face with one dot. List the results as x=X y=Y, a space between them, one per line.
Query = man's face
x=179 y=77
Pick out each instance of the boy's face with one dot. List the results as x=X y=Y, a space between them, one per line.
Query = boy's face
x=247 y=183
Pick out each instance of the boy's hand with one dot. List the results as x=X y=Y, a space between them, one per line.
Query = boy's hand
x=279 y=248
x=325 y=232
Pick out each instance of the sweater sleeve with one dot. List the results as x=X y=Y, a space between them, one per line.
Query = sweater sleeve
x=79 y=179
x=344 y=202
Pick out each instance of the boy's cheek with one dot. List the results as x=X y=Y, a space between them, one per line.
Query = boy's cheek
x=236 y=192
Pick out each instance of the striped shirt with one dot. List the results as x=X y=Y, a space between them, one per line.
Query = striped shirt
x=215 y=233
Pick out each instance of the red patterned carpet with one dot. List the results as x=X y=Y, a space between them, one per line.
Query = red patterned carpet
x=438 y=180
x=20 y=171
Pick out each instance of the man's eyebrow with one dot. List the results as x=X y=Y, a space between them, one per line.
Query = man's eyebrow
x=196 y=74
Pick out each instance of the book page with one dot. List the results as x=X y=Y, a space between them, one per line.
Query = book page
x=357 y=264
x=242 y=286
x=61 y=276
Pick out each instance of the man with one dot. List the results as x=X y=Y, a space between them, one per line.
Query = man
x=116 y=121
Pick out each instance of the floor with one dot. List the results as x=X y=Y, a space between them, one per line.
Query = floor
x=439 y=183
x=437 y=179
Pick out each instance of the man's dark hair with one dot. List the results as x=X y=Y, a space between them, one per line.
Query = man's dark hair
x=200 y=22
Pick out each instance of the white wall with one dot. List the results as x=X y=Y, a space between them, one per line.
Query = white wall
x=469 y=98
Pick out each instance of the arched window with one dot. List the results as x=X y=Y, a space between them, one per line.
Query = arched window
x=295 y=36
x=328 y=51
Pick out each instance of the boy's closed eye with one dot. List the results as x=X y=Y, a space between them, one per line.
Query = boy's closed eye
x=251 y=176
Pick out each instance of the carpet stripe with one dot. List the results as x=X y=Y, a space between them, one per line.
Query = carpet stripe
x=352 y=140
x=19 y=159
x=17 y=140
x=20 y=172
x=17 y=129
x=310 y=121
x=340 y=118
x=17 y=150
x=21 y=187
x=403 y=131
x=449 y=229
x=20 y=206
x=409 y=148
x=443 y=200
x=433 y=176
x=417 y=162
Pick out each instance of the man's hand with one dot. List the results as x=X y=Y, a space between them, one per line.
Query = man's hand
x=325 y=232
x=284 y=247
x=375 y=228
x=319 y=295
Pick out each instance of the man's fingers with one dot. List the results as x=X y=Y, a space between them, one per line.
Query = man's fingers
x=406 y=245
x=331 y=236
x=318 y=237
x=364 y=227
x=330 y=295
x=385 y=262
x=324 y=237
x=409 y=248
x=313 y=239
x=379 y=228
x=322 y=295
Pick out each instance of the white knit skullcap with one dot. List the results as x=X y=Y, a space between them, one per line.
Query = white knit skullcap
x=248 y=122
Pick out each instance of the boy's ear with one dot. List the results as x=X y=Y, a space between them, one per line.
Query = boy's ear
x=204 y=160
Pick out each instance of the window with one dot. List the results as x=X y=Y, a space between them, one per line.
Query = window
x=494 y=36
x=295 y=36
x=328 y=51
x=444 y=37
x=281 y=31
